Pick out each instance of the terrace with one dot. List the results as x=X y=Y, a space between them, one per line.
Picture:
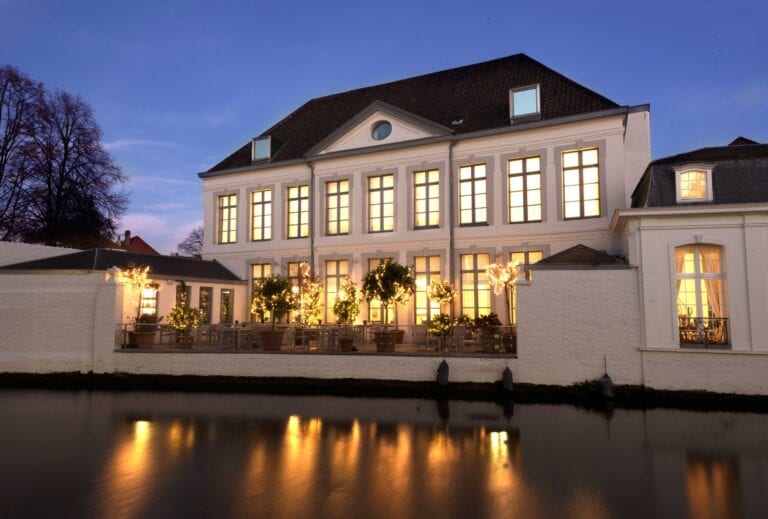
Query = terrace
x=353 y=339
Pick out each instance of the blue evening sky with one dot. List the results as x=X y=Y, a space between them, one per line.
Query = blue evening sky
x=178 y=85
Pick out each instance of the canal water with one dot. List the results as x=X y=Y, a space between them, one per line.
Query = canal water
x=164 y=454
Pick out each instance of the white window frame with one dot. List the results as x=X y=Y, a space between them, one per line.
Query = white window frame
x=690 y=168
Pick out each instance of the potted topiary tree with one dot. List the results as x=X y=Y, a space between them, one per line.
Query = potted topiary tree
x=135 y=280
x=273 y=294
x=441 y=326
x=502 y=277
x=390 y=282
x=346 y=309
x=182 y=319
x=488 y=326
x=310 y=304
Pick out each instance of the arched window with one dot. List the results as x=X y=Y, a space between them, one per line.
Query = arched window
x=700 y=284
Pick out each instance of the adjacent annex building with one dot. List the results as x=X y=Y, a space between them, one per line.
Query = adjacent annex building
x=445 y=172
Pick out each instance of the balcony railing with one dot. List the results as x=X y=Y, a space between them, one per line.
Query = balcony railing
x=704 y=331
x=317 y=339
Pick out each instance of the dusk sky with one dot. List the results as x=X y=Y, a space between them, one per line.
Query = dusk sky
x=177 y=86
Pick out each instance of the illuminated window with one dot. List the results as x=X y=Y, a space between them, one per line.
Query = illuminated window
x=426 y=185
x=581 y=184
x=524 y=190
x=700 y=281
x=473 y=205
x=261 y=214
x=426 y=270
x=206 y=304
x=375 y=311
x=699 y=277
x=227 y=308
x=381 y=203
x=259 y=271
x=298 y=211
x=694 y=184
x=185 y=292
x=227 y=218
x=294 y=276
x=475 y=288
x=337 y=207
x=524 y=101
x=335 y=272
x=523 y=258
x=148 y=302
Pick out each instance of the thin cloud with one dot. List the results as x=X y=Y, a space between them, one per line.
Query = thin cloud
x=120 y=144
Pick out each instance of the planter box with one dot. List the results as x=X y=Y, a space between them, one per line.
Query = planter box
x=385 y=341
x=272 y=339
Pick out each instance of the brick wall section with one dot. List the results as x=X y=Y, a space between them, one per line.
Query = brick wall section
x=570 y=321
x=53 y=323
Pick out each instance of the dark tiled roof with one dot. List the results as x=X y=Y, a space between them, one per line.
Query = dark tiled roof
x=103 y=259
x=739 y=141
x=478 y=94
x=740 y=175
x=135 y=244
x=580 y=255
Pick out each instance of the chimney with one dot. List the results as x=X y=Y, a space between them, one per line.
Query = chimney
x=126 y=240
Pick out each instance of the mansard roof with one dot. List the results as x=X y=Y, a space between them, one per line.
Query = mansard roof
x=739 y=175
x=465 y=99
x=170 y=267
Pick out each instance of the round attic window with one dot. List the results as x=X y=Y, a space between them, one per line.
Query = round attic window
x=381 y=130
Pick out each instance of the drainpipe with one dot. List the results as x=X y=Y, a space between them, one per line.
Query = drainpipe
x=451 y=219
x=311 y=217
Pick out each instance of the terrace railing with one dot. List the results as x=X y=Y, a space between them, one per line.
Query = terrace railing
x=317 y=339
x=707 y=332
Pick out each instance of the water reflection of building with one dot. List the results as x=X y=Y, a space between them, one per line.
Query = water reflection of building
x=713 y=486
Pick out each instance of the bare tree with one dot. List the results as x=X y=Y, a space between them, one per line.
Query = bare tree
x=192 y=245
x=19 y=99
x=69 y=192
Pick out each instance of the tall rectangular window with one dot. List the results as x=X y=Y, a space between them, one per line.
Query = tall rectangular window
x=524 y=184
x=473 y=203
x=298 y=211
x=581 y=184
x=185 y=292
x=148 y=300
x=259 y=271
x=426 y=194
x=206 y=304
x=523 y=258
x=335 y=272
x=227 y=308
x=426 y=270
x=294 y=276
x=261 y=215
x=337 y=207
x=381 y=203
x=475 y=288
x=375 y=310
x=227 y=218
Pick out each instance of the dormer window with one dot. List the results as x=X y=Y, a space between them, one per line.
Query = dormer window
x=524 y=102
x=694 y=183
x=262 y=148
x=381 y=130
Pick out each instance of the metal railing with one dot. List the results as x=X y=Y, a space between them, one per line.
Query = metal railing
x=704 y=331
x=320 y=339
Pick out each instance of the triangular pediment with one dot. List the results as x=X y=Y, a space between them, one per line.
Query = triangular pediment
x=358 y=132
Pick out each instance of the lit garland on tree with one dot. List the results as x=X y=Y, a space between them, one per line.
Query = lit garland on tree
x=502 y=277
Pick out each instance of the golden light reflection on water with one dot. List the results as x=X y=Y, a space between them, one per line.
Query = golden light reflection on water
x=713 y=487
x=126 y=473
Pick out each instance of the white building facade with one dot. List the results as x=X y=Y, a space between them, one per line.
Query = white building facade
x=390 y=184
